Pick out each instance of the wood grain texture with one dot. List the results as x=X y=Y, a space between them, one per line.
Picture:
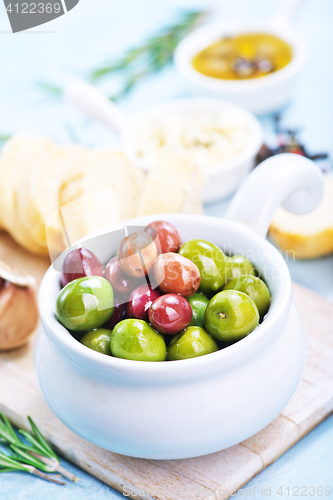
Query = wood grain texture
x=215 y=476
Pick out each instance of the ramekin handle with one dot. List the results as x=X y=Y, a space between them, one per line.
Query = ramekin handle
x=96 y=105
x=290 y=180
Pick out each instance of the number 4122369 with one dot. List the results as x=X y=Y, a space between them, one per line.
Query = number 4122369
x=304 y=491
x=34 y=8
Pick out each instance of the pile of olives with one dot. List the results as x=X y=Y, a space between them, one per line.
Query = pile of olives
x=159 y=299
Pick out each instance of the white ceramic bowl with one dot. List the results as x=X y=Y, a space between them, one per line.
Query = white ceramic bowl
x=180 y=409
x=259 y=95
x=222 y=179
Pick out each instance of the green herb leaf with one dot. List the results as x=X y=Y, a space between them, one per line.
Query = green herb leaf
x=33 y=457
x=10 y=464
x=6 y=430
x=42 y=441
x=35 y=445
x=7 y=461
x=8 y=469
x=50 y=89
x=4 y=138
x=29 y=459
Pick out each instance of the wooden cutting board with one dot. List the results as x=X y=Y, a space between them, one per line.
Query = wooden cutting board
x=222 y=472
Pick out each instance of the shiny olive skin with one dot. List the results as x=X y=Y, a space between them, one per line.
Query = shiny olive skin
x=136 y=340
x=122 y=284
x=79 y=263
x=168 y=236
x=118 y=315
x=136 y=254
x=85 y=304
x=230 y=316
x=193 y=342
x=176 y=274
x=198 y=303
x=170 y=314
x=237 y=266
x=255 y=288
x=140 y=301
x=210 y=260
x=98 y=340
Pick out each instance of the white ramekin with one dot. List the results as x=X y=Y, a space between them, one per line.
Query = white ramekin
x=180 y=409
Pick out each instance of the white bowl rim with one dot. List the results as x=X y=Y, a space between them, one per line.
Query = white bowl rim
x=210 y=32
x=189 y=368
x=248 y=153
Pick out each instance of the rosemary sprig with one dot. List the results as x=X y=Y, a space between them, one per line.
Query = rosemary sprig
x=37 y=454
x=11 y=464
x=151 y=56
x=50 y=89
x=28 y=459
x=139 y=62
x=4 y=138
x=39 y=440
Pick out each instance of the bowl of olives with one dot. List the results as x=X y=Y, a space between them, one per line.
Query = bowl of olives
x=175 y=336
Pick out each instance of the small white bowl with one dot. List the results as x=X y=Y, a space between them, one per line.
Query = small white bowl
x=259 y=95
x=181 y=409
x=222 y=179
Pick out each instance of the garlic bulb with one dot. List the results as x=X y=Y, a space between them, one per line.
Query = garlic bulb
x=18 y=307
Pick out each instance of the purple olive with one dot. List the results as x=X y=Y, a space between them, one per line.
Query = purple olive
x=80 y=263
x=140 y=300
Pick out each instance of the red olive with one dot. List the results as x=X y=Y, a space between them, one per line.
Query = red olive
x=80 y=263
x=170 y=314
x=176 y=274
x=169 y=239
x=136 y=254
x=121 y=282
x=118 y=315
x=140 y=300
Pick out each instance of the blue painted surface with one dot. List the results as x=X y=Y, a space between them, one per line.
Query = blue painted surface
x=72 y=45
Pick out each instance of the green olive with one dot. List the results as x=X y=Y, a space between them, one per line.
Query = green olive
x=85 y=304
x=255 y=288
x=135 y=339
x=193 y=342
x=230 y=316
x=98 y=340
x=210 y=260
x=238 y=265
x=199 y=303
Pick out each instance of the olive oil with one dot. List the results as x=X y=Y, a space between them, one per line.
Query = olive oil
x=245 y=56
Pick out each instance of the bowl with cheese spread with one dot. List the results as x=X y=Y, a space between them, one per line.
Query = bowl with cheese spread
x=219 y=138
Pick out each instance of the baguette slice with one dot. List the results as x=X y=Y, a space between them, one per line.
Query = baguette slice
x=106 y=194
x=110 y=169
x=174 y=185
x=309 y=236
x=39 y=202
x=18 y=159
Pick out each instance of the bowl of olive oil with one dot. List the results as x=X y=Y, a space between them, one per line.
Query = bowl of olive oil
x=253 y=64
x=243 y=56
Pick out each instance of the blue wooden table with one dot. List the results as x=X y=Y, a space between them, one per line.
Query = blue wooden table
x=75 y=43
